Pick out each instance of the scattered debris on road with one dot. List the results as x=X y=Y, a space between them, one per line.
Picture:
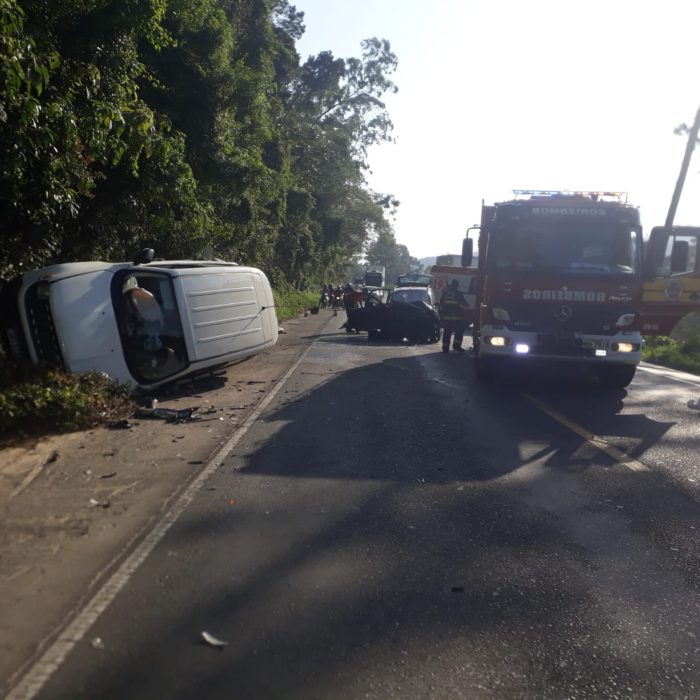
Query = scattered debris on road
x=94 y=503
x=169 y=415
x=213 y=641
x=97 y=643
x=123 y=424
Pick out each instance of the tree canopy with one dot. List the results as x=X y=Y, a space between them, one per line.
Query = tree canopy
x=185 y=124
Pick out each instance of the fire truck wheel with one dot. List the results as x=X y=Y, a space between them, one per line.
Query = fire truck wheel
x=616 y=376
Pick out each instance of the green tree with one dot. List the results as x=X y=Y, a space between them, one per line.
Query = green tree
x=384 y=250
x=70 y=113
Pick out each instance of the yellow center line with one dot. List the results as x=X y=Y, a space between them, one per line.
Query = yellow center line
x=594 y=440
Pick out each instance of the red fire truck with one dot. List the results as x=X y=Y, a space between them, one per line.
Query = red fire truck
x=562 y=278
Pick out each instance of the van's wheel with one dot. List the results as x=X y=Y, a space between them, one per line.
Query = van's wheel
x=616 y=376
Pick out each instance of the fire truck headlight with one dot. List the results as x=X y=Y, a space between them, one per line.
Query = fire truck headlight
x=625 y=347
x=500 y=314
x=522 y=348
x=625 y=320
x=497 y=341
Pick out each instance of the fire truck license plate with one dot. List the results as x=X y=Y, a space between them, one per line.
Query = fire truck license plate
x=594 y=343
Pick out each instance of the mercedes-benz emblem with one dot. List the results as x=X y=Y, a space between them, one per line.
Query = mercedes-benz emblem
x=564 y=313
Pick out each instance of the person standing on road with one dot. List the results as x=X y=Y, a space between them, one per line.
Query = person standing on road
x=453 y=309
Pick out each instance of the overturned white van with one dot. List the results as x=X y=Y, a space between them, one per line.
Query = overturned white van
x=148 y=324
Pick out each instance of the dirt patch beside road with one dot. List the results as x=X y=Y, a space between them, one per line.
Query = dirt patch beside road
x=72 y=506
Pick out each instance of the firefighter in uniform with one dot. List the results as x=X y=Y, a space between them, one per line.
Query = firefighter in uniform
x=453 y=308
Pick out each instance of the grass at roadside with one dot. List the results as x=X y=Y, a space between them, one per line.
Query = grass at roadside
x=39 y=401
x=677 y=354
x=289 y=302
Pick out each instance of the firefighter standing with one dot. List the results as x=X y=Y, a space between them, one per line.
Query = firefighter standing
x=453 y=310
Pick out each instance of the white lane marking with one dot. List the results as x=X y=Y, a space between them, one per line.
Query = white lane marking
x=35 y=678
x=594 y=440
x=674 y=374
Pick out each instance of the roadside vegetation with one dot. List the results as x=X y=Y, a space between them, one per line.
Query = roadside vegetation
x=680 y=350
x=39 y=401
x=290 y=302
x=676 y=354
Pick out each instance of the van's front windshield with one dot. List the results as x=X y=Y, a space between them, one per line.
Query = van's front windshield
x=566 y=248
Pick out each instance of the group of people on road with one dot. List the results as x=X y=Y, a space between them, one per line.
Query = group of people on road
x=453 y=310
x=331 y=297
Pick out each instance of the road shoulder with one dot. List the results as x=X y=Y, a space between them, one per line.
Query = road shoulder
x=73 y=506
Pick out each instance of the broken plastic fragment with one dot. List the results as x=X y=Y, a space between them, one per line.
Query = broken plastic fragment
x=213 y=641
x=170 y=415
x=122 y=424
x=97 y=643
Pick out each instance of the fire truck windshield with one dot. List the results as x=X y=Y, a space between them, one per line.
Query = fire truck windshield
x=565 y=247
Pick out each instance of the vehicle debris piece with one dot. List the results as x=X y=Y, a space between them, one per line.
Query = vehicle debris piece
x=281 y=331
x=212 y=641
x=169 y=415
x=94 y=503
x=122 y=424
x=108 y=475
x=97 y=643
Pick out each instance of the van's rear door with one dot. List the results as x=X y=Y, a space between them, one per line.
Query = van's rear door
x=672 y=271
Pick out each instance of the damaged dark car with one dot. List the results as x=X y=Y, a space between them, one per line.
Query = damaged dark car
x=417 y=321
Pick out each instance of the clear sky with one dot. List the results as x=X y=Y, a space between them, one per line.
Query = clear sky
x=496 y=95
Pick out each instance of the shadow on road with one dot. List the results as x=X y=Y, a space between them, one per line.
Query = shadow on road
x=373 y=545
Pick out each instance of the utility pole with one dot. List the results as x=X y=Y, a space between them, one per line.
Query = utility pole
x=692 y=138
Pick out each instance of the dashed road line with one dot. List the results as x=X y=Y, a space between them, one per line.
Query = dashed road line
x=594 y=440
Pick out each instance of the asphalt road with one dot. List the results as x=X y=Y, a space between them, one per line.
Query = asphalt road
x=390 y=527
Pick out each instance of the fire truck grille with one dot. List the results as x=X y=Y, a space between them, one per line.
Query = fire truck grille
x=562 y=319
